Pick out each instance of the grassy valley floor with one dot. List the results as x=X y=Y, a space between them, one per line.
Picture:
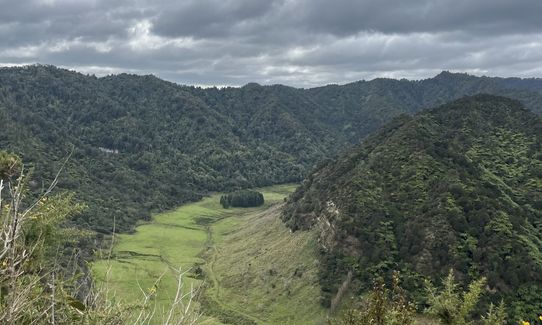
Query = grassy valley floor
x=255 y=270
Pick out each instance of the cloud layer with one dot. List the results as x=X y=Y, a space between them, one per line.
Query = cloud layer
x=301 y=43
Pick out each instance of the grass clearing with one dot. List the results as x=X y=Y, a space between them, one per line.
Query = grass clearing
x=265 y=273
x=222 y=240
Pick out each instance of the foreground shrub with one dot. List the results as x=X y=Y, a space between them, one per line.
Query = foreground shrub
x=37 y=286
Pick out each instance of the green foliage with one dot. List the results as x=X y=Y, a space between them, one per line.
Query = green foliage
x=452 y=307
x=382 y=306
x=242 y=199
x=447 y=305
x=10 y=165
x=37 y=288
x=34 y=287
x=495 y=315
x=47 y=231
x=454 y=187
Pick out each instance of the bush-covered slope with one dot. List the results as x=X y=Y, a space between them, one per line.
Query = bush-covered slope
x=142 y=144
x=459 y=186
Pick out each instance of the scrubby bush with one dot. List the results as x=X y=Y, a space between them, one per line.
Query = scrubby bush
x=36 y=286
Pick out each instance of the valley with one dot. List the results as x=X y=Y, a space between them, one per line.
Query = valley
x=393 y=187
x=254 y=270
x=270 y=162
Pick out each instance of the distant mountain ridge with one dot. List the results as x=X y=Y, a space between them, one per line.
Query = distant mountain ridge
x=455 y=187
x=142 y=144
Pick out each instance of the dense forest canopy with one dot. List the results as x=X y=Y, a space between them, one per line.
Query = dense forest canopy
x=140 y=144
x=456 y=187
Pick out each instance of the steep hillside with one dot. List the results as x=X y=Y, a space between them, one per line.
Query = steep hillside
x=141 y=144
x=260 y=269
x=459 y=186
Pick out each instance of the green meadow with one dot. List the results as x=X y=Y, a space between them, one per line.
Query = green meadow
x=261 y=273
x=220 y=241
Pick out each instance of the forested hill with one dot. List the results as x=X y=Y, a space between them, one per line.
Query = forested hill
x=459 y=186
x=143 y=144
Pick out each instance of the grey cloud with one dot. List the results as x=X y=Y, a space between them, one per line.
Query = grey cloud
x=347 y=17
x=296 y=42
x=31 y=22
x=210 y=18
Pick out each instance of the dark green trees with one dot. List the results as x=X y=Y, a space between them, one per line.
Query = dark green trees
x=142 y=144
x=242 y=199
x=454 y=187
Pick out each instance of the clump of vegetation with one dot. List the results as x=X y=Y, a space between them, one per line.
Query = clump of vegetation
x=10 y=165
x=452 y=307
x=242 y=199
x=382 y=306
x=448 y=305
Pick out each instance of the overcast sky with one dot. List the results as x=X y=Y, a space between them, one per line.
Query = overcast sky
x=300 y=43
